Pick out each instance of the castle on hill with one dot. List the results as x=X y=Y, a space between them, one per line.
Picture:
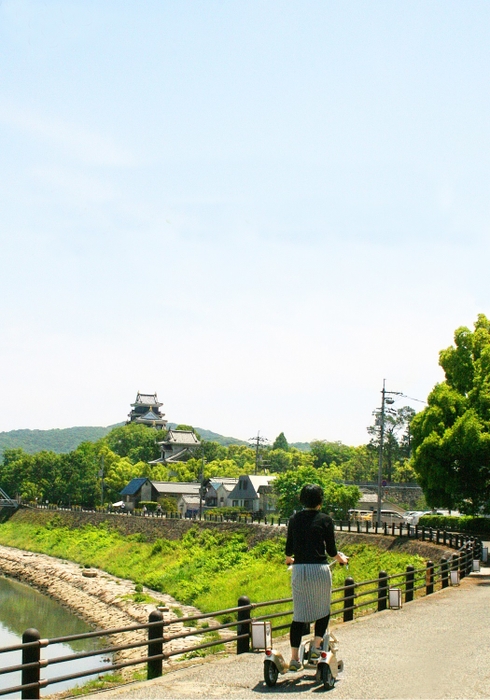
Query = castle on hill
x=146 y=411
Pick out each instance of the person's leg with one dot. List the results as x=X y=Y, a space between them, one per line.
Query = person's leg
x=320 y=629
x=295 y=634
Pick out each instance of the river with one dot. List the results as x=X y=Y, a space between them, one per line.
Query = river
x=22 y=607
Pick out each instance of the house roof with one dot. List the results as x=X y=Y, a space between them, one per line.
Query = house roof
x=176 y=488
x=223 y=481
x=256 y=481
x=181 y=437
x=190 y=500
x=260 y=480
x=227 y=484
x=133 y=487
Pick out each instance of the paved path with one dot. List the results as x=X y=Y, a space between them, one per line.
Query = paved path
x=435 y=647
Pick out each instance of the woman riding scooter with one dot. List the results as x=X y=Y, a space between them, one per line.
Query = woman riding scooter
x=310 y=538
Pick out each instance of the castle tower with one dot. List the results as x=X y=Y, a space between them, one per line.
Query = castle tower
x=146 y=410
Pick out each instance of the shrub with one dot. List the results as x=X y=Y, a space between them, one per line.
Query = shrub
x=151 y=506
x=463 y=523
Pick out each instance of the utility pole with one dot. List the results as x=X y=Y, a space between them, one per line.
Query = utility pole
x=201 y=483
x=101 y=474
x=257 y=441
x=386 y=399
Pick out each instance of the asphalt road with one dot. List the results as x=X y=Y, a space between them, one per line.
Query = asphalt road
x=435 y=647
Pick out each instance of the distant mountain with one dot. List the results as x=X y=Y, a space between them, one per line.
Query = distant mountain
x=62 y=440
x=209 y=436
x=55 y=440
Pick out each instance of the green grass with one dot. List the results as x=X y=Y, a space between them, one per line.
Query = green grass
x=210 y=569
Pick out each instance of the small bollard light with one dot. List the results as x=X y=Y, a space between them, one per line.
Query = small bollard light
x=476 y=565
x=261 y=635
x=455 y=577
x=395 y=596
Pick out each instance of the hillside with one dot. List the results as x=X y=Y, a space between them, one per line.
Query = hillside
x=55 y=440
x=63 y=440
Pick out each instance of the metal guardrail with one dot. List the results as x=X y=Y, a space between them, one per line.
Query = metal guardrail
x=348 y=600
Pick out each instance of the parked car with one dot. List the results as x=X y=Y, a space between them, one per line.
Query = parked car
x=387 y=516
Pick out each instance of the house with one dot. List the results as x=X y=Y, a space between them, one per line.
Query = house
x=131 y=493
x=189 y=506
x=142 y=489
x=253 y=493
x=179 y=446
x=146 y=411
x=218 y=492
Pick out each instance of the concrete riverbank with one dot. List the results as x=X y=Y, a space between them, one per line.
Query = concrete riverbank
x=102 y=600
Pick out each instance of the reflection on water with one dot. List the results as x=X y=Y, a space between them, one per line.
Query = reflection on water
x=22 y=607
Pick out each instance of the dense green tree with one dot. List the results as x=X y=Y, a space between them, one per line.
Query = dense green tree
x=326 y=453
x=396 y=438
x=137 y=442
x=280 y=443
x=362 y=466
x=338 y=498
x=451 y=437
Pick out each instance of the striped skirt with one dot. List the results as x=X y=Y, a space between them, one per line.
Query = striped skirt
x=312 y=588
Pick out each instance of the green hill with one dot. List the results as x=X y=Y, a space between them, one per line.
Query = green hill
x=55 y=440
x=62 y=440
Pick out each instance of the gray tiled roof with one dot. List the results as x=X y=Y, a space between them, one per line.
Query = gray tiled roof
x=176 y=488
x=147 y=400
x=151 y=416
x=182 y=437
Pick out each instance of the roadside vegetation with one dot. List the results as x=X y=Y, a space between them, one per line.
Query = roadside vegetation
x=209 y=569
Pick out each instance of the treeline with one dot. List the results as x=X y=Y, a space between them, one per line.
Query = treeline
x=96 y=472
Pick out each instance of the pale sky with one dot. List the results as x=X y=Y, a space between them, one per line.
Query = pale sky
x=257 y=209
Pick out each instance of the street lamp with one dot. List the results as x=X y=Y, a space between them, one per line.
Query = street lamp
x=386 y=400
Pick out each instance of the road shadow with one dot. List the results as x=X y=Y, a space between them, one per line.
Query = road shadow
x=304 y=683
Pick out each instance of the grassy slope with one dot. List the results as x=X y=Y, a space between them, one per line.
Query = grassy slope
x=208 y=569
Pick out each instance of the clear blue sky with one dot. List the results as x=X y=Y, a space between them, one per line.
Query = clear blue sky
x=257 y=209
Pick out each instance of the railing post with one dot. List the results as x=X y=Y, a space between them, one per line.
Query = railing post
x=243 y=617
x=382 y=591
x=423 y=533
x=409 y=578
x=444 y=538
x=31 y=655
x=154 y=667
x=429 y=578
x=385 y=528
x=349 y=597
x=444 y=572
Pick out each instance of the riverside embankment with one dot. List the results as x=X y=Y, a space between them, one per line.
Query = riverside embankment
x=107 y=601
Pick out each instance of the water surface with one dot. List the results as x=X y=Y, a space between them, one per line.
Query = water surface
x=22 y=607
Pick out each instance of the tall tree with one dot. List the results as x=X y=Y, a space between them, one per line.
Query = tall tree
x=280 y=443
x=451 y=437
x=396 y=439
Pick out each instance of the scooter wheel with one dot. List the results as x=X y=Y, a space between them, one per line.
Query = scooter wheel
x=270 y=673
x=326 y=676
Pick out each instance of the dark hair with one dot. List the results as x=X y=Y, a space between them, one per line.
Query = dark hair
x=311 y=495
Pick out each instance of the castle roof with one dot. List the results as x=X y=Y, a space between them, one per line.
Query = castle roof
x=146 y=400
